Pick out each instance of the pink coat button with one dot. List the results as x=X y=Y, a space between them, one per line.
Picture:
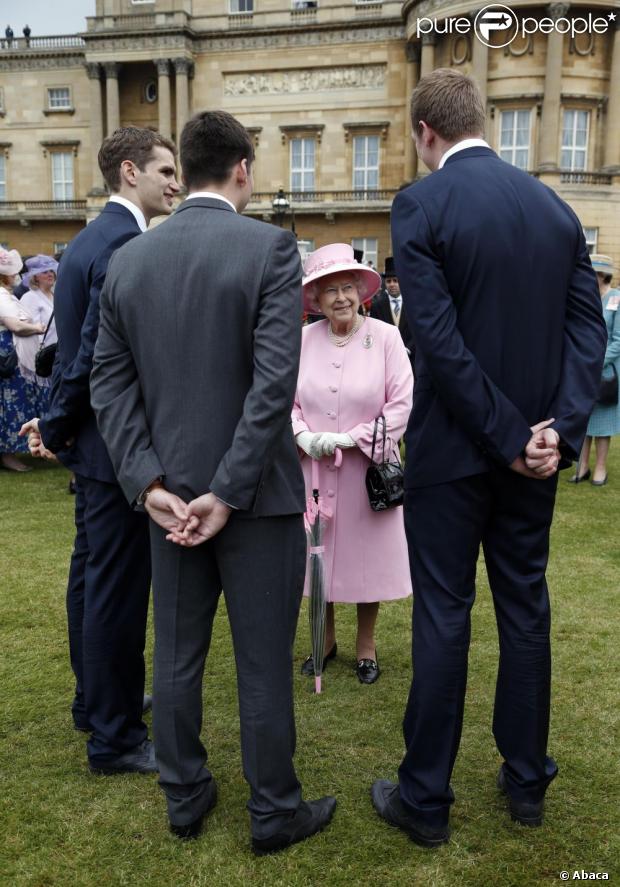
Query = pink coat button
x=333 y=389
x=337 y=364
x=331 y=494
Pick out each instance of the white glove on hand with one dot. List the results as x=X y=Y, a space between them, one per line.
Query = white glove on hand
x=328 y=441
x=307 y=441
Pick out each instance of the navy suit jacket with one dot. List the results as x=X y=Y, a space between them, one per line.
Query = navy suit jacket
x=505 y=313
x=81 y=275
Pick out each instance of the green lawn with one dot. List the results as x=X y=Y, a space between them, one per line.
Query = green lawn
x=62 y=826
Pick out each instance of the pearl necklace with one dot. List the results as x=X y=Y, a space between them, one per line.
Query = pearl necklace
x=341 y=341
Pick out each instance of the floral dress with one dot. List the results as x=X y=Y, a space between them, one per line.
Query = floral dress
x=18 y=396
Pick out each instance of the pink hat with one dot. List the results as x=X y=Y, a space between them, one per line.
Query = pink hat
x=10 y=262
x=334 y=259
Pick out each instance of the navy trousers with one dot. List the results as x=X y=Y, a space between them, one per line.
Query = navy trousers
x=107 y=605
x=510 y=516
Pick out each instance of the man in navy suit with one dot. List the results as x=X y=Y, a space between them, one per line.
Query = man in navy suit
x=110 y=572
x=506 y=317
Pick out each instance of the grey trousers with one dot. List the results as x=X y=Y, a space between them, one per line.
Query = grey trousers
x=259 y=564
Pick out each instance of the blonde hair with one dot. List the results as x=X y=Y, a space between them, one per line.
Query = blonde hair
x=450 y=103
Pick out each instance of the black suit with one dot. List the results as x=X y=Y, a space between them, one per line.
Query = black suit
x=194 y=378
x=381 y=309
x=109 y=577
x=507 y=321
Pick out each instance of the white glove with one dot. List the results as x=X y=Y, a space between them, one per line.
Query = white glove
x=328 y=441
x=307 y=441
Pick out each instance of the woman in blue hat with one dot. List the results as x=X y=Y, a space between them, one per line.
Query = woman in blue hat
x=38 y=303
x=605 y=419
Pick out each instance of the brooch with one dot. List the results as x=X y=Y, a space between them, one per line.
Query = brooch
x=368 y=341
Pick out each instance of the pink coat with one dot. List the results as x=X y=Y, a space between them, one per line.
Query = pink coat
x=342 y=390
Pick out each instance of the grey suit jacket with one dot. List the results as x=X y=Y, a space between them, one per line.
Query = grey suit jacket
x=197 y=358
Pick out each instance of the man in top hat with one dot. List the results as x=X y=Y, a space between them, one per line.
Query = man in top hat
x=388 y=306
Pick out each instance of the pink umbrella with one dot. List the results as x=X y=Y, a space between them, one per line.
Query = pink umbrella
x=317 y=515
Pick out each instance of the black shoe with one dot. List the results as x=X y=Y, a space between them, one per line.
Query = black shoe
x=524 y=812
x=147 y=703
x=367 y=670
x=599 y=483
x=72 y=488
x=140 y=759
x=386 y=801
x=578 y=478
x=307 y=667
x=191 y=831
x=309 y=818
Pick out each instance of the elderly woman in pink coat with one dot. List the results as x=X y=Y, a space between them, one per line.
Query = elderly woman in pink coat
x=352 y=370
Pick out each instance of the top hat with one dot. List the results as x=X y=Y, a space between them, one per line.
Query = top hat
x=390 y=270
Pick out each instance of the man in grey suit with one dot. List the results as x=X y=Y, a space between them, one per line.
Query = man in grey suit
x=193 y=382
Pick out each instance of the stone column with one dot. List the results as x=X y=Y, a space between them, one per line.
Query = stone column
x=427 y=64
x=412 y=51
x=163 y=96
x=111 y=95
x=181 y=67
x=480 y=66
x=96 y=126
x=550 y=123
x=611 y=161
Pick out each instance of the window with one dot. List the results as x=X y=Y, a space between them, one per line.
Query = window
x=591 y=236
x=365 y=163
x=304 y=4
x=62 y=175
x=2 y=177
x=241 y=6
x=514 y=141
x=59 y=98
x=575 y=127
x=369 y=246
x=150 y=91
x=60 y=246
x=302 y=164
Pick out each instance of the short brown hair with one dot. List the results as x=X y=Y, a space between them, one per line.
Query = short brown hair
x=450 y=103
x=129 y=143
x=212 y=143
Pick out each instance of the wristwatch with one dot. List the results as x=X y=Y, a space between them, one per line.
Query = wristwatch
x=145 y=492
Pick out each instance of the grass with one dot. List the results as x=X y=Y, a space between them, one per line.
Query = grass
x=62 y=826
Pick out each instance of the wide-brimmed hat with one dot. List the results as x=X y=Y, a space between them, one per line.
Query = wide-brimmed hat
x=334 y=259
x=10 y=262
x=602 y=264
x=37 y=265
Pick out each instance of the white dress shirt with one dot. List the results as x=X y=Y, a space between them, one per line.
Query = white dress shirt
x=133 y=209
x=212 y=195
x=461 y=146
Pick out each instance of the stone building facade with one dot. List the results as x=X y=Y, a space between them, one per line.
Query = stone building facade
x=322 y=85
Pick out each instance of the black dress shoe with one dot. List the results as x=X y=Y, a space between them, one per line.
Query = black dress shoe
x=72 y=487
x=386 y=801
x=309 y=818
x=147 y=703
x=578 y=478
x=140 y=759
x=599 y=483
x=367 y=670
x=307 y=667
x=524 y=812
x=191 y=831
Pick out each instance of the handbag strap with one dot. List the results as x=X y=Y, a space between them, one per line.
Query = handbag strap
x=374 y=438
x=49 y=323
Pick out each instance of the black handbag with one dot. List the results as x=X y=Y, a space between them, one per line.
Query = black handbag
x=385 y=482
x=608 y=392
x=46 y=355
x=8 y=363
